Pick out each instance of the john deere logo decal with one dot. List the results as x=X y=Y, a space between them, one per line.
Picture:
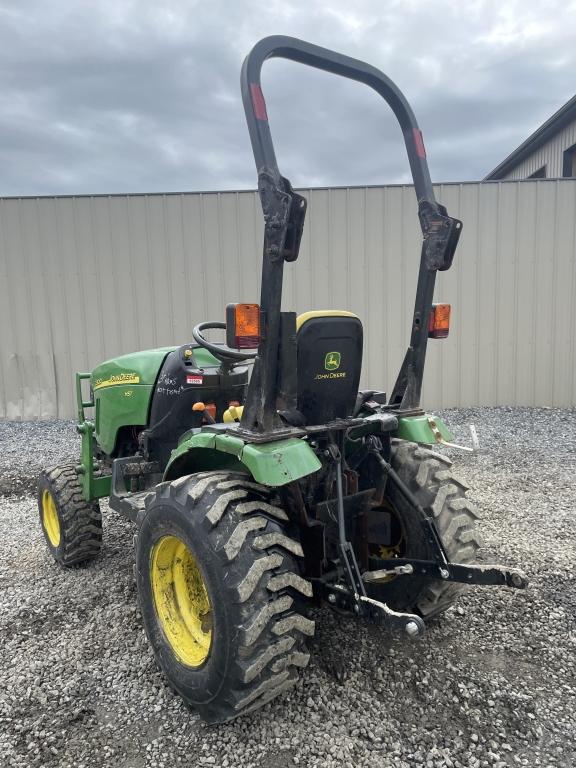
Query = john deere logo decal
x=331 y=364
x=332 y=361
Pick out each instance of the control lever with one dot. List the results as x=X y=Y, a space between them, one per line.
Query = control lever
x=205 y=411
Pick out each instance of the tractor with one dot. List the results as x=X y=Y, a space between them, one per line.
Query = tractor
x=262 y=482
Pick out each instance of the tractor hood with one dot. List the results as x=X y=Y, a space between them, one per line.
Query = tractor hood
x=123 y=390
x=135 y=368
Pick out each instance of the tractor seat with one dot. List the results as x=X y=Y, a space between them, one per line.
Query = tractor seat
x=329 y=353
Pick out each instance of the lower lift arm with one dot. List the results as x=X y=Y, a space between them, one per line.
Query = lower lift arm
x=364 y=605
x=440 y=568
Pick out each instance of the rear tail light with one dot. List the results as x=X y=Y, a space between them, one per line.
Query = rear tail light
x=439 y=322
x=243 y=326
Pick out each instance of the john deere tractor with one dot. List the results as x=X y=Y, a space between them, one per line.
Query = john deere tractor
x=257 y=497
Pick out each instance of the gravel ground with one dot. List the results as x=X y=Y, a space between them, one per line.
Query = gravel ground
x=493 y=682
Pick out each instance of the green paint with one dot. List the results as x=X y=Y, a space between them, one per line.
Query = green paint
x=145 y=365
x=272 y=464
x=123 y=389
x=101 y=486
x=81 y=404
x=92 y=487
x=194 y=439
x=205 y=359
x=230 y=444
x=417 y=430
x=117 y=407
x=198 y=451
x=280 y=462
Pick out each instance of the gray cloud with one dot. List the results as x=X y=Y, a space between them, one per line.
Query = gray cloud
x=127 y=96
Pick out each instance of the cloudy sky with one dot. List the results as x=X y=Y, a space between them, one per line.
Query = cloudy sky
x=143 y=95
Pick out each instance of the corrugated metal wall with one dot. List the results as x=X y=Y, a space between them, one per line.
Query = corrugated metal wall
x=86 y=278
x=550 y=155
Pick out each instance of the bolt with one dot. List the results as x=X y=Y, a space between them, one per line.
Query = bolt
x=412 y=628
x=517 y=580
x=444 y=573
x=331 y=598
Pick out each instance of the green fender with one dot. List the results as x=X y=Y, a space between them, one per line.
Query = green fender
x=417 y=429
x=272 y=464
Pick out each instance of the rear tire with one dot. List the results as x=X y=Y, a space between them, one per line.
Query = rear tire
x=443 y=497
x=242 y=549
x=72 y=526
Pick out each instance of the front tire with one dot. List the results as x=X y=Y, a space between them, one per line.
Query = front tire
x=222 y=599
x=72 y=526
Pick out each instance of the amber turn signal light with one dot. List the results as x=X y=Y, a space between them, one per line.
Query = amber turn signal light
x=243 y=326
x=439 y=322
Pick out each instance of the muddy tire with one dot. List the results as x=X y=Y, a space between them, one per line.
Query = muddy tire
x=72 y=526
x=222 y=599
x=443 y=497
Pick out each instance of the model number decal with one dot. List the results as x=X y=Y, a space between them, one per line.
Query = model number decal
x=119 y=378
x=194 y=379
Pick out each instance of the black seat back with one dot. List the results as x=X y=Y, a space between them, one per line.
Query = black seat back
x=329 y=347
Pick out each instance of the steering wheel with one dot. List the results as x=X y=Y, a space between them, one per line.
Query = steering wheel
x=221 y=351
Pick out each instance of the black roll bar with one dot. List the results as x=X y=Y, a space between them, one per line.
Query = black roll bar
x=284 y=211
x=293 y=49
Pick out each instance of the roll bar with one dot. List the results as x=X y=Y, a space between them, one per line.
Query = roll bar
x=273 y=381
x=293 y=49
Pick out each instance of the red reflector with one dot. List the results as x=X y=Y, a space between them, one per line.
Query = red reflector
x=258 y=102
x=419 y=142
x=439 y=322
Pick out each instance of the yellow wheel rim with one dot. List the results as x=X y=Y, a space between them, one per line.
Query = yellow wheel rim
x=50 y=519
x=181 y=600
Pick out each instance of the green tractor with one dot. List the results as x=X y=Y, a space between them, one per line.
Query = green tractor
x=257 y=498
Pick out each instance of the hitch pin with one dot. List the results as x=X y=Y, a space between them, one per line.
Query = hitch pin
x=411 y=624
x=371 y=576
x=439 y=439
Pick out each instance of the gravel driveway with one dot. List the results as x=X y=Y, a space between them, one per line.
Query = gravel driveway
x=493 y=683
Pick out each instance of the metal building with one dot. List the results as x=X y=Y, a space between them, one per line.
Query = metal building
x=550 y=152
x=83 y=279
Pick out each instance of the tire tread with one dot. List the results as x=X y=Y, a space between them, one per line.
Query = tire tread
x=442 y=495
x=80 y=520
x=258 y=556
